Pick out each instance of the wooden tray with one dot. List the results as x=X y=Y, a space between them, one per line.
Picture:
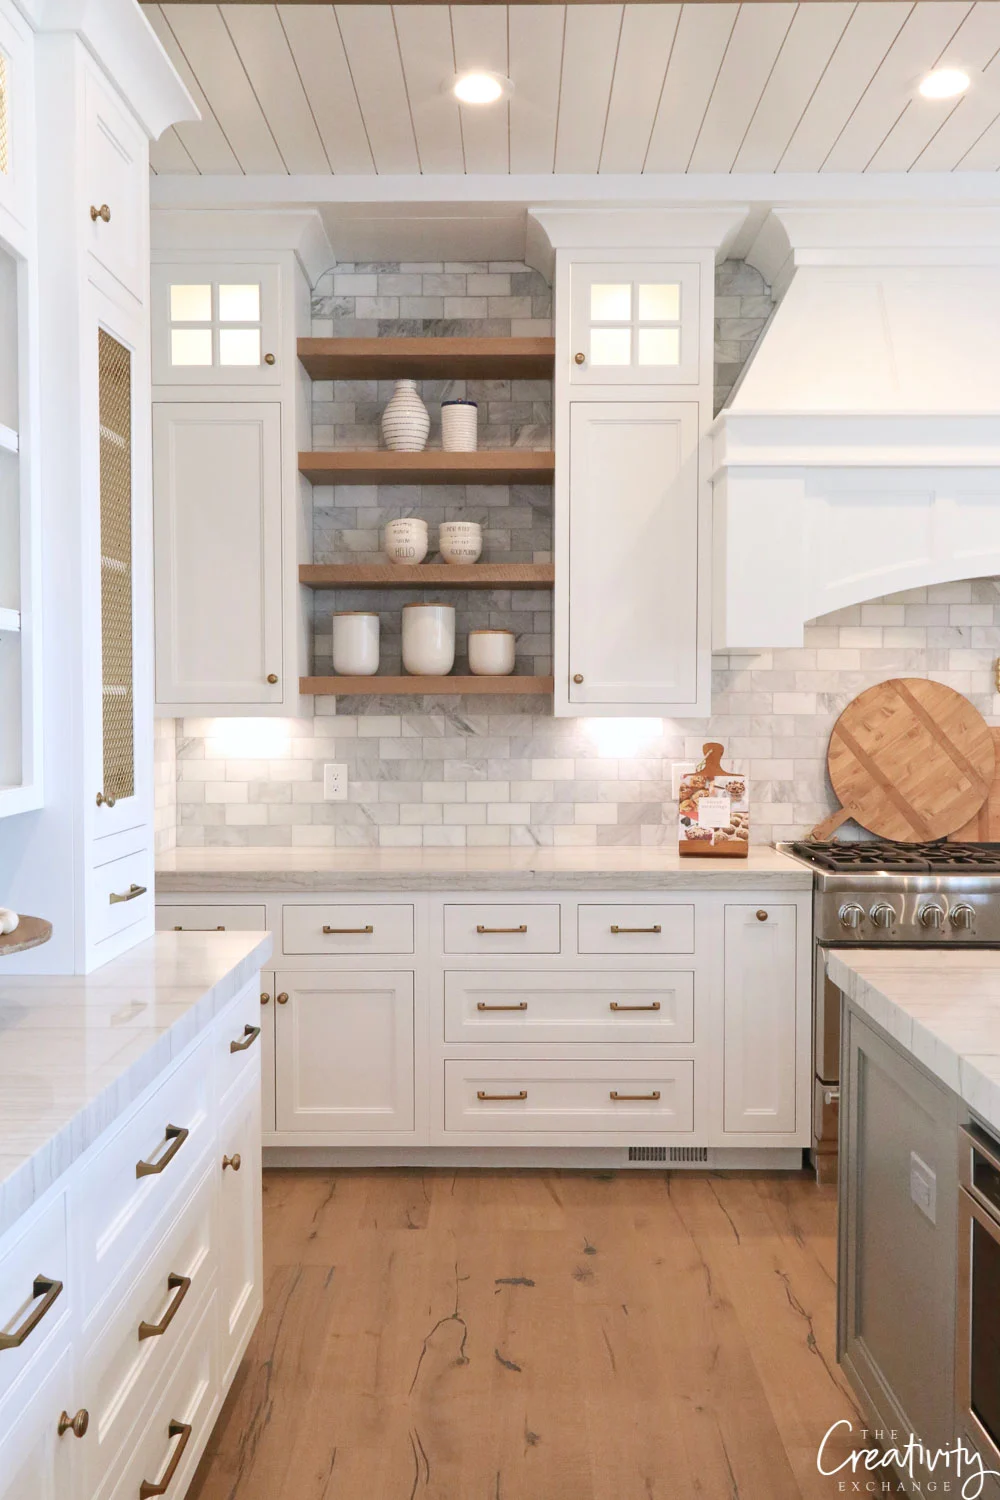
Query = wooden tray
x=31 y=932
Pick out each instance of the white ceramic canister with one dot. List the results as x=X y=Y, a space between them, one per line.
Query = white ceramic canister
x=491 y=652
x=355 y=643
x=405 y=540
x=459 y=426
x=460 y=541
x=405 y=421
x=429 y=639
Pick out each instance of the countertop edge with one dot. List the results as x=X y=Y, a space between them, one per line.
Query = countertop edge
x=293 y=882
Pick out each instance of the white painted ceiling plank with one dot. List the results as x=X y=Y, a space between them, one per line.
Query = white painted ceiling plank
x=260 y=40
x=480 y=33
x=929 y=29
x=373 y=55
x=210 y=51
x=703 y=33
x=425 y=47
x=753 y=49
x=204 y=139
x=942 y=131
x=168 y=155
x=984 y=154
x=808 y=47
x=591 y=42
x=643 y=53
x=536 y=43
x=314 y=37
x=870 y=33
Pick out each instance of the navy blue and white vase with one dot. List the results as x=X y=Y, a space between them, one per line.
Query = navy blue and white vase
x=459 y=426
x=406 y=421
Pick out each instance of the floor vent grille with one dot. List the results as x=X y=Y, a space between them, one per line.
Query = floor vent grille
x=648 y=1153
x=689 y=1153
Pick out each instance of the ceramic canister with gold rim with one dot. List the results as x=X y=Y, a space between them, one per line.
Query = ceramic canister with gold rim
x=355 y=643
x=429 y=639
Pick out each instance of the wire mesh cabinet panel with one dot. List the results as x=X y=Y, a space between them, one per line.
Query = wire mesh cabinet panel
x=118 y=707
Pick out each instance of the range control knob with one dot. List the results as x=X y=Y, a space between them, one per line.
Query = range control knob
x=932 y=915
x=963 y=917
x=851 y=916
x=882 y=915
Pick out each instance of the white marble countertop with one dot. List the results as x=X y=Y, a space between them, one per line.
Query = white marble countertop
x=943 y=1006
x=290 y=870
x=76 y=1051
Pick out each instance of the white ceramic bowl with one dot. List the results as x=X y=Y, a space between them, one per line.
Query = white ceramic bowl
x=405 y=540
x=355 y=643
x=460 y=541
x=429 y=639
x=491 y=652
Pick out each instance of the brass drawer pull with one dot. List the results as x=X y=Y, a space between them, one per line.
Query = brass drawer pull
x=179 y=1284
x=762 y=915
x=180 y=1430
x=235 y=1161
x=615 y=1006
x=621 y=1097
x=103 y=801
x=103 y=212
x=176 y=1135
x=481 y=929
x=348 y=931
x=197 y=929
x=250 y=1035
x=282 y=999
x=133 y=891
x=521 y=1005
x=48 y=1290
x=265 y=998
x=76 y=1425
x=617 y=930
x=521 y=1094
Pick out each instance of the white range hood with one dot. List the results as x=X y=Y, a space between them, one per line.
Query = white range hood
x=860 y=453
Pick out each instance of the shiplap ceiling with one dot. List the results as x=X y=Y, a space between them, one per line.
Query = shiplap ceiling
x=826 y=86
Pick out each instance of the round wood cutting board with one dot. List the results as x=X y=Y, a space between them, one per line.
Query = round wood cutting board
x=910 y=760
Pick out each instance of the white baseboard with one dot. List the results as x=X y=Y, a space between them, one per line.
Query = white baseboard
x=612 y=1158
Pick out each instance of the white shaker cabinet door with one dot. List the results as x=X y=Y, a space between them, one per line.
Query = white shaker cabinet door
x=36 y=1463
x=760 y=1018
x=633 y=555
x=344 y=1047
x=241 y=1272
x=217 y=527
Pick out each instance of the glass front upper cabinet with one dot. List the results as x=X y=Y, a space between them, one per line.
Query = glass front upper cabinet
x=215 y=325
x=634 y=325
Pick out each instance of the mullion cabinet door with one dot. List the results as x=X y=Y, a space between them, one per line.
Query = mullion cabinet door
x=216 y=324
x=635 y=324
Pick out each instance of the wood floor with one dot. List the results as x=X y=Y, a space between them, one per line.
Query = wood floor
x=536 y=1336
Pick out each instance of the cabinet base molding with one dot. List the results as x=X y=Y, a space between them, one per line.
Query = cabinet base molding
x=502 y=1158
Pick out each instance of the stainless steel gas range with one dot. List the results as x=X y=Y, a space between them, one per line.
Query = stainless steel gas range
x=876 y=894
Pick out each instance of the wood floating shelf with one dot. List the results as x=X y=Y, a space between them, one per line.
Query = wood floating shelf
x=427 y=575
x=433 y=466
x=437 y=686
x=428 y=359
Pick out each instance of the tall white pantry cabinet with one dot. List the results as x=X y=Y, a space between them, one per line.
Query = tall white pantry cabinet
x=102 y=89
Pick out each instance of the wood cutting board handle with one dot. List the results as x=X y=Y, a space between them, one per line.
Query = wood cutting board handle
x=829 y=825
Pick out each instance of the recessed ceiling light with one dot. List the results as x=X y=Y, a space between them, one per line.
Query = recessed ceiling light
x=944 y=83
x=479 y=88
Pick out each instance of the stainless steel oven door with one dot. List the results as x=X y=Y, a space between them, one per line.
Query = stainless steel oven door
x=826 y=1021
x=977 y=1339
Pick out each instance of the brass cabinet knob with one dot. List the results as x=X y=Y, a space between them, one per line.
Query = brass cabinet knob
x=76 y=1425
x=103 y=212
x=264 y=997
x=282 y=999
x=272 y=678
x=577 y=677
x=103 y=801
x=269 y=359
x=581 y=359
x=235 y=1161
x=762 y=915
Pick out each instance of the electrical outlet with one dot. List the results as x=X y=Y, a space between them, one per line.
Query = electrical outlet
x=679 y=768
x=923 y=1187
x=334 y=783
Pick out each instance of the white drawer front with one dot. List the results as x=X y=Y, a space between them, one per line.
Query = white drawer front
x=237 y=1043
x=34 y=1292
x=147 y=1331
x=122 y=892
x=174 y=1437
x=211 y=919
x=504 y=928
x=624 y=930
x=119 y=1206
x=519 y=1006
x=347 y=929
x=608 y=1098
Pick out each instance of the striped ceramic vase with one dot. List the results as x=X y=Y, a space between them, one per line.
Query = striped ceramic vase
x=405 y=421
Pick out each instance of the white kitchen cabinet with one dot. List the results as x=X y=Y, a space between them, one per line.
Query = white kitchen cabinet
x=345 y=1051
x=116 y=166
x=241 y=1271
x=217 y=551
x=267 y=1015
x=635 y=324
x=216 y=325
x=760 y=1018
x=35 y=1462
x=633 y=556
